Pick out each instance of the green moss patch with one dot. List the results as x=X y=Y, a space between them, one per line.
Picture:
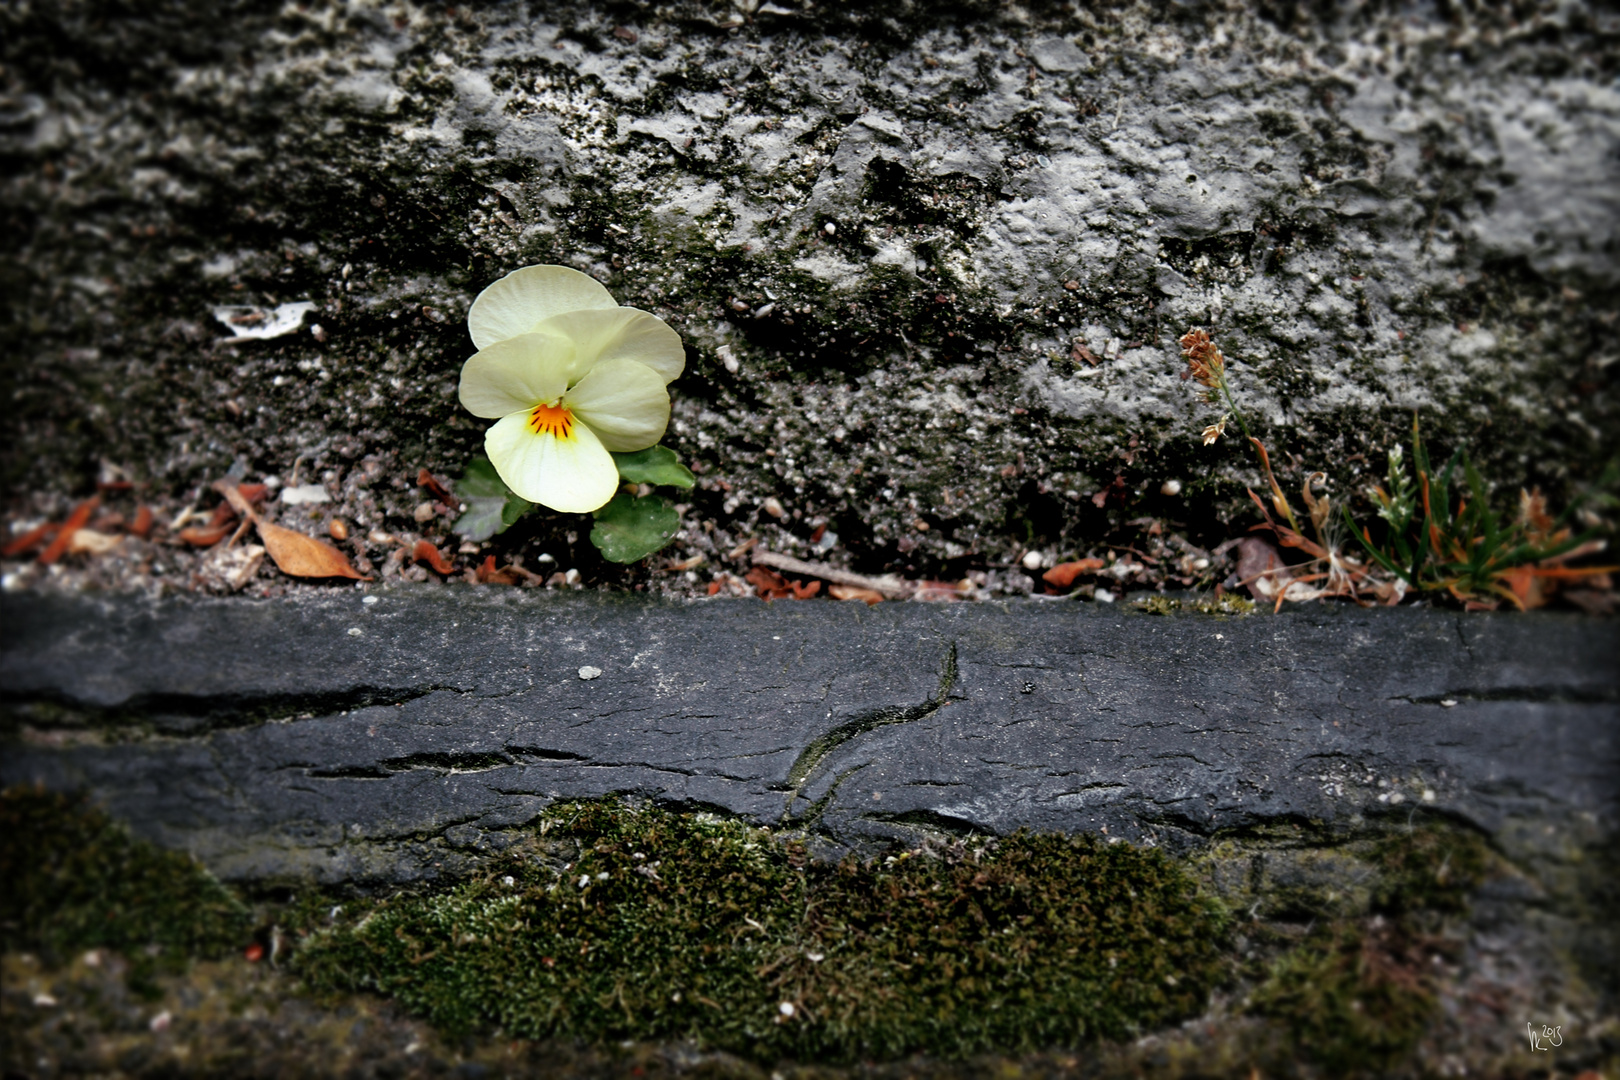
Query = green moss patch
x=76 y=880
x=622 y=923
x=1359 y=991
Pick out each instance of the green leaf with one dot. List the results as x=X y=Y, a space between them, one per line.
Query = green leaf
x=654 y=465
x=491 y=506
x=628 y=528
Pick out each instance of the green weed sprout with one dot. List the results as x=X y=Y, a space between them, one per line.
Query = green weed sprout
x=1469 y=552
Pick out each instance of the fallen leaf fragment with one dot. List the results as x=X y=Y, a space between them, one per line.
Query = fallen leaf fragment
x=488 y=575
x=1261 y=569
x=304 y=556
x=205 y=536
x=943 y=591
x=75 y=522
x=90 y=542
x=1063 y=574
x=440 y=492
x=293 y=552
x=425 y=552
x=29 y=540
x=142 y=523
x=852 y=592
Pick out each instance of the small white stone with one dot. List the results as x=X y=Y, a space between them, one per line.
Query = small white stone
x=355 y=631
x=773 y=507
x=43 y=1000
x=572 y=576
x=588 y=673
x=304 y=493
x=584 y=880
x=1105 y=597
x=815 y=957
x=161 y=1021
x=509 y=881
x=1032 y=560
x=1428 y=794
x=1448 y=704
x=1396 y=797
x=786 y=1008
x=423 y=513
x=829 y=228
x=1170 y=487
x=369 y=600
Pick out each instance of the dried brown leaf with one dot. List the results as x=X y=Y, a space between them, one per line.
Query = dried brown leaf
x=304 y=556
x=29 y=540
x=1063 y=574
x=75 y=522
x=425 y=552
x=205 y=536
x=439 y=491
x=851 y=592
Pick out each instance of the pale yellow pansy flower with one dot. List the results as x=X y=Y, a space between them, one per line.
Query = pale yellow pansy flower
x=569 y=375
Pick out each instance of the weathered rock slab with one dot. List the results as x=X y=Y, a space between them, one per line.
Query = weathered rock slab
x=394 y=735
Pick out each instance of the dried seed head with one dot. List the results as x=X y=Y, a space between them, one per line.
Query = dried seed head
x=1204 y=361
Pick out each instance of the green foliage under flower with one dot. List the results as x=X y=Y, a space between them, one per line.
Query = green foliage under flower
x=626 y=530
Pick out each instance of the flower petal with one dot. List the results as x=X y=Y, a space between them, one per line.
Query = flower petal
x=574 y=475
x=523 y=299
x=625 y=404
x=621 y=334
x=515 y=374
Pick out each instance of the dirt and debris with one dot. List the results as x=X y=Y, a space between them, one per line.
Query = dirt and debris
x=127 y=538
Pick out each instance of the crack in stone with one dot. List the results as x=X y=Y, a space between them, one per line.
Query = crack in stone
x=822 y=745
x=195 y=716
x=1565 y=695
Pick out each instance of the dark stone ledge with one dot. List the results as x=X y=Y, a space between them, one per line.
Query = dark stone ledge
x=332 y=739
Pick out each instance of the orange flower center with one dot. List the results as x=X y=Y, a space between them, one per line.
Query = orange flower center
x=554 y=420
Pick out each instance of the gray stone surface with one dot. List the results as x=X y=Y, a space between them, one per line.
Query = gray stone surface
x=334 y=739
x=1377 y=208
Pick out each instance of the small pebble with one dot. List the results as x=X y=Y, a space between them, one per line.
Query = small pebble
x=161 y=1021
x=1103 y=596
x=369 y=600
x=1428 y=795
x=773 y=507
x=572 y=577
x=829 y=228
x=423 y=513
x=1448 y=704
x=44 y=1001
x=1170 y=487
x=1032 y=560
x=355 y=631
x=588 y=673
x=786 y=1008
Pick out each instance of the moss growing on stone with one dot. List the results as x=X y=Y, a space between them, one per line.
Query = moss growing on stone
x=1360 y=990
x=76 y=880
x=624 y=923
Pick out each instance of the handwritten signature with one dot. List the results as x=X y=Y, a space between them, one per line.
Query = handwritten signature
x=1546 y=1038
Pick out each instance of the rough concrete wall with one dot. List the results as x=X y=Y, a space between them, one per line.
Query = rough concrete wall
x=889 y=234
